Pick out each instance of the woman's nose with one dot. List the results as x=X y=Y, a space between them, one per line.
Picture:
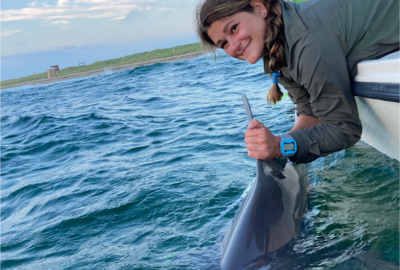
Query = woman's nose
x=234 y=45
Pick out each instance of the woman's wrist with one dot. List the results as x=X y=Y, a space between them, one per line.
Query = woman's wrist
x=278 y=152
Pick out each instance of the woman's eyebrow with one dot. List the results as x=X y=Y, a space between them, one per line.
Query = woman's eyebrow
x=225 y=31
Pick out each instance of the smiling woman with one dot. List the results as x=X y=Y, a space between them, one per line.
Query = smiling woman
x=249 y=43
x=312 y=49
x=237 y=25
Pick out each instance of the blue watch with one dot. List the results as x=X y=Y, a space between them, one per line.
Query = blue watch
x=288 y=145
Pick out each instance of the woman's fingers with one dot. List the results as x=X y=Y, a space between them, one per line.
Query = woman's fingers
x=254 y=154
x=258 y=132
x=259 y=155
x=255 y=124
x=251 y=139
x=260 y=142
x=252 y=146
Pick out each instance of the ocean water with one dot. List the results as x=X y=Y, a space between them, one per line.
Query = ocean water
x=144 y=169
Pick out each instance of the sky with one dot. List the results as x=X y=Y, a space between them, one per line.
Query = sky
x=38 y=34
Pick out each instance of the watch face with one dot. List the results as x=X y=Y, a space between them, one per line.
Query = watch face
x=288 y=146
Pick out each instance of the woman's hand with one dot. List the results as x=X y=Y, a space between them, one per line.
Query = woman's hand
x=261 y=143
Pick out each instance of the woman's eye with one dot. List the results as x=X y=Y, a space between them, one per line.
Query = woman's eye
x=223 y=45
x=234 y=27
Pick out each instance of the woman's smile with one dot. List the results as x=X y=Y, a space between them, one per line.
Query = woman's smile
x=245 y=49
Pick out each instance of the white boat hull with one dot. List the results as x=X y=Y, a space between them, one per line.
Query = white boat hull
x=380 y=118
x=380 y=121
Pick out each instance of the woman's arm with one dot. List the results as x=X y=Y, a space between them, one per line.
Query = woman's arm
x=320 y=66
x=304 y=121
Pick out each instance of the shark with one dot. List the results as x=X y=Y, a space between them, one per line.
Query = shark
x=270 y=215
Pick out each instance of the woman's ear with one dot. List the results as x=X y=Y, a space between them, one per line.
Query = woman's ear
x=259 y=8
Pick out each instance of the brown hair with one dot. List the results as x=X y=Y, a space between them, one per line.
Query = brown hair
x=212 y=10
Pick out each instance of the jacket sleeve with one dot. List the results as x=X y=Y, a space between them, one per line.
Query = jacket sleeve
x=319 y=65
x=298 y=95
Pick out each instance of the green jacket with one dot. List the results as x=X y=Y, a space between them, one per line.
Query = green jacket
x=325 y=40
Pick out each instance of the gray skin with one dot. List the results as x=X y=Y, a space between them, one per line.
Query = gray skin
x=270 y=215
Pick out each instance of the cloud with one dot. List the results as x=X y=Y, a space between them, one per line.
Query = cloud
x=33 y=4
x=60 y=22
x=72 y=9
x=135 y=16
x=10 y=32
x=62 y=3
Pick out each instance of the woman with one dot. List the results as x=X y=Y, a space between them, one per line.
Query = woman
x=313 y=48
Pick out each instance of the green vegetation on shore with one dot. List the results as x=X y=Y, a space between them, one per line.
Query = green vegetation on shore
x=126 y=60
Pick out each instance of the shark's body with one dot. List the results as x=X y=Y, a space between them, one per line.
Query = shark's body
x=270 y=215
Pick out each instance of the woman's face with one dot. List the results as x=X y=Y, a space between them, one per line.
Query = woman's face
x=241 y=35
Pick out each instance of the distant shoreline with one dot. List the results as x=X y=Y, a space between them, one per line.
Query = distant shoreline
x=177 y=58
